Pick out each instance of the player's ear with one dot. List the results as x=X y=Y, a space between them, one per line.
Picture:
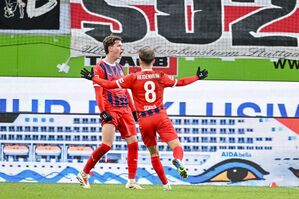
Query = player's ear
x=153 y=61
x=109 y=47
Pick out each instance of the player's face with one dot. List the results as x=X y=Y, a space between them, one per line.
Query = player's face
x=117 y=49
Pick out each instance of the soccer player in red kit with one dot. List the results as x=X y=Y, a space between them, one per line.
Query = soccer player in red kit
x=148 y=88
x=116 y=109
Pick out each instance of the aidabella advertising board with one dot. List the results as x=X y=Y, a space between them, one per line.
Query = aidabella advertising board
x=230 y=151
x=203 y=98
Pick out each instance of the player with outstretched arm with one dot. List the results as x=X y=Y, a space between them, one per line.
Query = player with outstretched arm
x=148 y=88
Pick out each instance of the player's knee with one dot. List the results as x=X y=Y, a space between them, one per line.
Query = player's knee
x=153 y=150
x=174 y=143
x=154 y=154
x=133 y=146
x=131 y=139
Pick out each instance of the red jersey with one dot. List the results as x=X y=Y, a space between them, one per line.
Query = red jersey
x=109 y=98
x=147 y=87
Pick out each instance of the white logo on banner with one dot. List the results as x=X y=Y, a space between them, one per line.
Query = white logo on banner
x=12 y=6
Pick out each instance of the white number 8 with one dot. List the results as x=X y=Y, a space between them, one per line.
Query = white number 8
x=149 y=87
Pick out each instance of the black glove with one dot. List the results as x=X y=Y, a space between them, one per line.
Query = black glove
x=86 y=74
x=106 y=116
x=135 y=115
x=201 y=74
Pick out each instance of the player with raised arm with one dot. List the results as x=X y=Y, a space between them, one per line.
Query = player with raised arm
x=148 y=88
x=116 y=109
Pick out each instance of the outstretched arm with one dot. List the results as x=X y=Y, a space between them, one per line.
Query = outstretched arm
x=105 y=83
x=102 y=82
x=186 y=80
x=200 y=74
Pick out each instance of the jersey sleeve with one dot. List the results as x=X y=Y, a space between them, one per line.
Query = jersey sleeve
x=168 y=81
x=98 y=71
x=99 y=97
x=187 y=80
x=131 y=102
x=126 y=82
x=104 y=83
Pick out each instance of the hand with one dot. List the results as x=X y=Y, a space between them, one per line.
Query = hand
x=106 y=116
x=201 y=74
x=135 y=115
x=86 y=74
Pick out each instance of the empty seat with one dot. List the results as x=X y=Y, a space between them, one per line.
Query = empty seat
x=79 y=151
x=15 y=150
x=48 y=150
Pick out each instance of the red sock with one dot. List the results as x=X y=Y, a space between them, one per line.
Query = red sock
x=132 y=159
x=95 y=157
x=159 y=169
x=178 y=152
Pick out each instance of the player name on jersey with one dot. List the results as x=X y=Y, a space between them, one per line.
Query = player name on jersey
x=148 y=76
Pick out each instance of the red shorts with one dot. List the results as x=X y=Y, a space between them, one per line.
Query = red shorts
x=123 y=121
x=157 y=122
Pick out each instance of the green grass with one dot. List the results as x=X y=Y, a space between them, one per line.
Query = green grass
x=74 y=191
